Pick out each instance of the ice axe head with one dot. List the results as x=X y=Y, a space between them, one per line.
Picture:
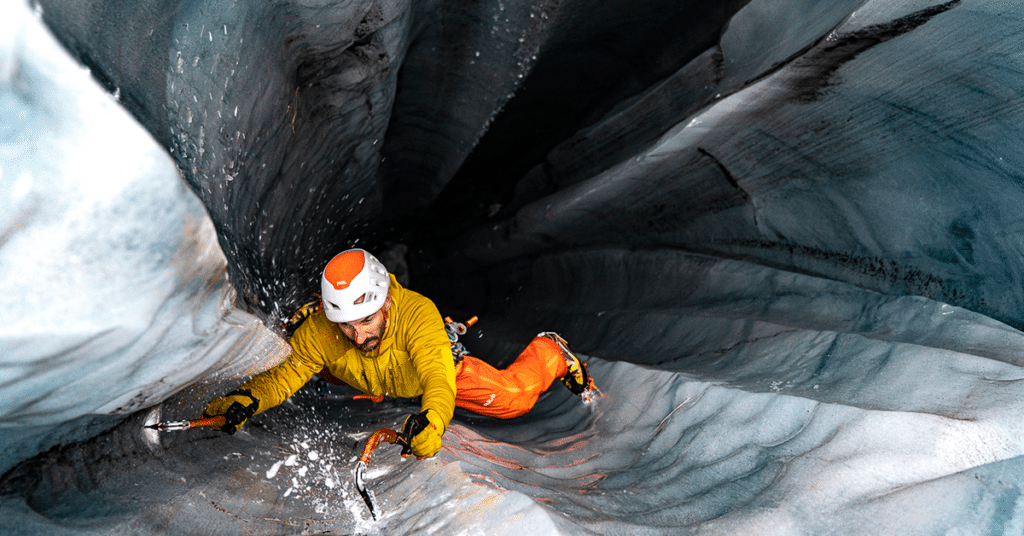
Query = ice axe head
x=367 y=495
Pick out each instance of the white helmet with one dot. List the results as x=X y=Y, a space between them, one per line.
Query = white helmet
x=350 y=275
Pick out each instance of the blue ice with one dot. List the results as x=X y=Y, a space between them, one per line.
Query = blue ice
x=794 y=403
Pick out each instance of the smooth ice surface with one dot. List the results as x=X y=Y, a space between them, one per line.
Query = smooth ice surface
x=786 y=240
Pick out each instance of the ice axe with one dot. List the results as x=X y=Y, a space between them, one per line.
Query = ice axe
x=170 y=426
x=414 y=425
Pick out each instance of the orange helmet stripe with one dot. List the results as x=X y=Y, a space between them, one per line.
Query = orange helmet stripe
x=344 y=268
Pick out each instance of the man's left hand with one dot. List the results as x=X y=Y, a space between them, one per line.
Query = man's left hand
x=426 y=429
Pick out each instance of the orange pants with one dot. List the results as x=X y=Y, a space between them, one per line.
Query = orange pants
x=505 y=394
x=511 y=392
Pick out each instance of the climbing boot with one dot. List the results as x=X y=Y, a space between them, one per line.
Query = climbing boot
x=577 y=380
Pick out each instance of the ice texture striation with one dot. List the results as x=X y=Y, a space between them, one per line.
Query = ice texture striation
x=782 y=233
x=114 y=293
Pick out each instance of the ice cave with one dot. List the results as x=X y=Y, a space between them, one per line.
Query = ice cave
x=783 y=234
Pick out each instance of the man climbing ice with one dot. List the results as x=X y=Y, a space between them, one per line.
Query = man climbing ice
x=386 y=340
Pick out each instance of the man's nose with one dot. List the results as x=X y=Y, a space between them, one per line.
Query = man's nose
x=360 y=335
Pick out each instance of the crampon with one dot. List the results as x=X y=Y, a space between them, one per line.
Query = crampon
x=577 y=379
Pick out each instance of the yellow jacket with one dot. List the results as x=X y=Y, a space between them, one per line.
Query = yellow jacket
x=414 y=358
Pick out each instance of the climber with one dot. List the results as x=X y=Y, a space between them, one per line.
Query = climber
x=386 y=340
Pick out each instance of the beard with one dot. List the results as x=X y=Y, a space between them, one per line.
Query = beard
x=369 y=344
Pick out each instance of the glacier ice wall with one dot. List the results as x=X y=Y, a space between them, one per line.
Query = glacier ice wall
x=782 y=231
x=114 y=293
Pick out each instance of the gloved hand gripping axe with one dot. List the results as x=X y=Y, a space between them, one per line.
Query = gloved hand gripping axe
x=414 y=425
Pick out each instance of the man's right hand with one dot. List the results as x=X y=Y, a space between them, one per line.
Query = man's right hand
x=236 y=407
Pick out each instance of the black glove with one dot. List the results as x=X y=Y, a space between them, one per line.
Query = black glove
x=236 y=407
x=421 y=435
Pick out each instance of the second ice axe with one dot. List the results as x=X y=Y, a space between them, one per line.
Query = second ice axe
x=170 y=426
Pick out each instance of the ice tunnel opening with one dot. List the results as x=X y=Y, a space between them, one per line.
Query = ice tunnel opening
x=801 y=313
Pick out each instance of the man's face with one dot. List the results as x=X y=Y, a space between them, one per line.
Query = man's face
x=366 y=333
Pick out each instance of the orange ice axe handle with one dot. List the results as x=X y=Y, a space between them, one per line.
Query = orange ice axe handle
x=416 y=425
x=384 y=434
